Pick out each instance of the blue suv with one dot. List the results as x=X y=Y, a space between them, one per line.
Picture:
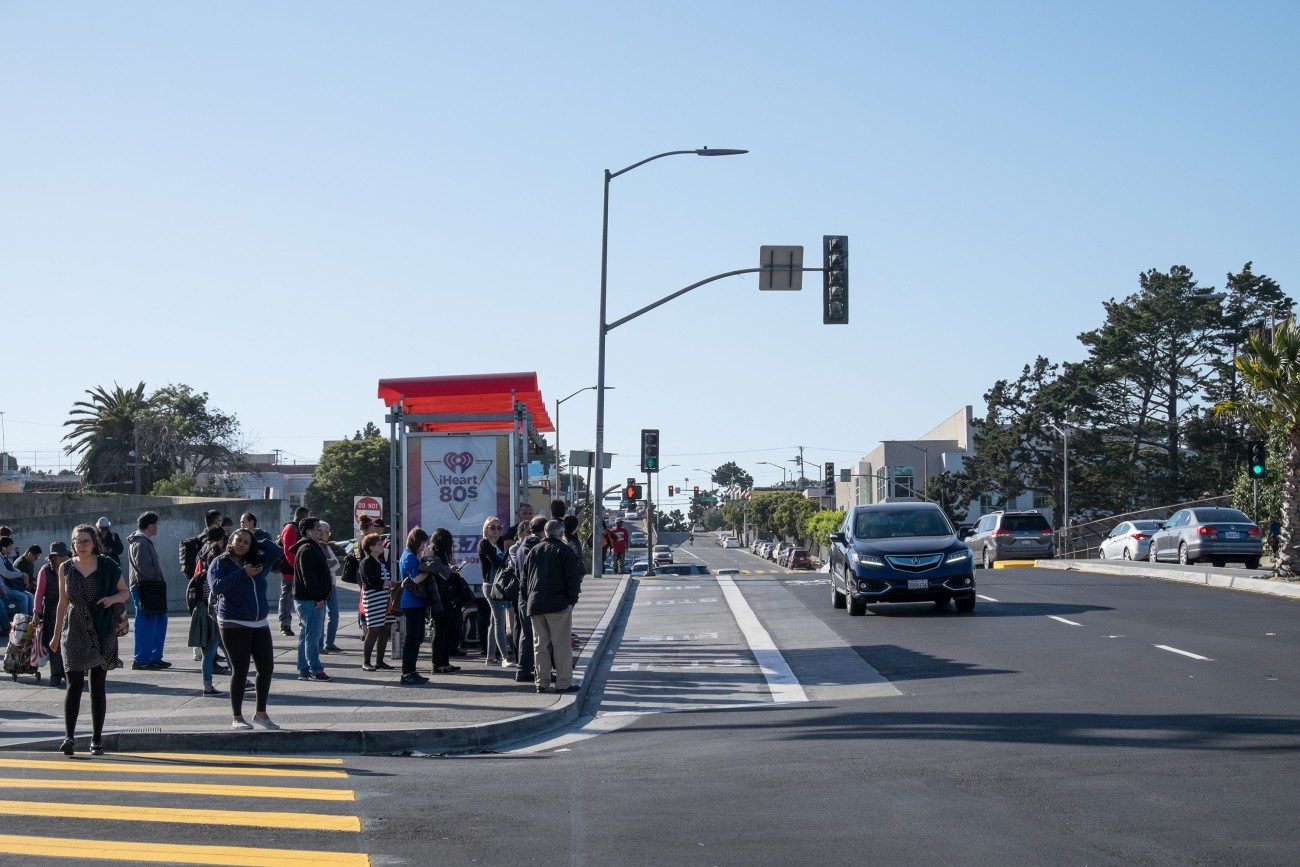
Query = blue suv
x=900 y=552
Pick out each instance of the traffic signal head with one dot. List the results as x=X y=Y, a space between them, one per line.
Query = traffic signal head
x=649 y=450
x=1257 y=464
x=632 y=492
x=828 y=479
x=697 y=490
x=670 y=490
x=835 y=280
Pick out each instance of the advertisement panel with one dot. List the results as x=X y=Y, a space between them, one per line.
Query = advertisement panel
x=457 y=481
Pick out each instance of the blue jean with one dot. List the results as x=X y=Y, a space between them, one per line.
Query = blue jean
x=331 y=630
x=210 y=657
x=150 y=633
x=311 y=616
x=496 y=637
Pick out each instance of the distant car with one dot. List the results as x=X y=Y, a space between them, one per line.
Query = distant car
x=731 y=542
x=698 y=528
x=1129 y=540
x=798 y=559
x=636 y=540
x=728 y=571
x=1215 y=534
x=663 y=554
x=899 y=552
x=1011 y=536
x=631 y=515
x=762 y=548
x=723 y=536
x=682 y=569
x=640 y=568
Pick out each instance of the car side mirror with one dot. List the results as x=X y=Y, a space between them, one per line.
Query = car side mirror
x=839 y=538
x=963 y=535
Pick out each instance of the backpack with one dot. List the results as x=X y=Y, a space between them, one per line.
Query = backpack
x=351 y=569
x=194 y=592
x=190 y=553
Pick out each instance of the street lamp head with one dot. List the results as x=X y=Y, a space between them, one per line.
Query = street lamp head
x=707 y=151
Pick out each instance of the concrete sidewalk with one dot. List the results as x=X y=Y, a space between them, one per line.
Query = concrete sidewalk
x=358 y=712
x=1224 y=577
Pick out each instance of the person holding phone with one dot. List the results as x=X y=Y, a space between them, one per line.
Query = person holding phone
x=237 y=579
x=439 y=562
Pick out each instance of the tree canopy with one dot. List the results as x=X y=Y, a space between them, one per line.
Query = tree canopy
x=350 y=468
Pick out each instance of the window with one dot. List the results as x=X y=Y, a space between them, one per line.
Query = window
x=1042 y=500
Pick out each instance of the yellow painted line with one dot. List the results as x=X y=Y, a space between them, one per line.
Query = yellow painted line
x=1013 y=564
x=243 y=760
x=186 y=788
x=234 y=856
x=136 y=768
x=182 y=816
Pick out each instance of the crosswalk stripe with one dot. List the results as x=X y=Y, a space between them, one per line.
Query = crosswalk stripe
x=183 y=816
x=186 y=788
x=101 y=766
x=240 y=760
x=234 y=856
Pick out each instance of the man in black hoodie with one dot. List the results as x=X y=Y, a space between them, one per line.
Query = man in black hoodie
x=551 y=583
x=312 y=585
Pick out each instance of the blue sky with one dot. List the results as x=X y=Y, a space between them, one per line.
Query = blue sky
x=280 y=204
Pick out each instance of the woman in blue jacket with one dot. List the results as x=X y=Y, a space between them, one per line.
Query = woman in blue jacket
x=237 y=579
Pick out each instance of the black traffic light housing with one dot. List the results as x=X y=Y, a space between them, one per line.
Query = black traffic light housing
x=835 y=280
x=1257 y=465
x=670 y=490
x=649 y=450
x=828 y=479
x=633 y=493
x=697 y=490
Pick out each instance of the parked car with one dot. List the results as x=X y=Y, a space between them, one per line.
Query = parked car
x=1011 y=536
x=762 y=549
x=1210 y=533
x=899 y=552
x=682 y=569
x=731 y=542
x=778 y=551
x=1129 y=540
x=663 y=554
x=798 y=559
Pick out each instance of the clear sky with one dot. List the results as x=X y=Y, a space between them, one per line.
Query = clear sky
x=282 y=203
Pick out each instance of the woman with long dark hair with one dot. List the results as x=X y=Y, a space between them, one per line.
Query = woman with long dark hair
x=238 y=579
x=86 y=629
x=439 y=561
x=413 y=605
x=376 y=596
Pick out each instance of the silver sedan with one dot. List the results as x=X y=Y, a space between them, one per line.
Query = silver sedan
x=1129 y=540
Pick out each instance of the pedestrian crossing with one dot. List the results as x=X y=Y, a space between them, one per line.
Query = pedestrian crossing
x=144 y=807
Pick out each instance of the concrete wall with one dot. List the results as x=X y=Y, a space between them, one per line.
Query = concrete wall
x=39 y=519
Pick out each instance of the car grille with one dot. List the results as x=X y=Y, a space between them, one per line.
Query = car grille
x=914 y=562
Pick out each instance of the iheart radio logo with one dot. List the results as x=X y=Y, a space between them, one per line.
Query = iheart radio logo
x=458 y=462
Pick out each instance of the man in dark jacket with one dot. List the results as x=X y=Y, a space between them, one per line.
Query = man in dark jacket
x=145 y=568
x=552 y=580
x=109 y=542
x=312 y=584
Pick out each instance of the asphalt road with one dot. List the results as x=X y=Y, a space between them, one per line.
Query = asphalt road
x=1072 y=719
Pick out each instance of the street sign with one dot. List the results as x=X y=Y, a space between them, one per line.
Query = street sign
x=372 y=506
x=707 y=500
x=780 y=268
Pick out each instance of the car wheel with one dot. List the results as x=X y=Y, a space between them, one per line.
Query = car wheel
x=988 y=558
x=1127 y=555
x=837 y=598
x=1183 y=559
x=966 y=604
x=856 y=607
x=1151 y=553
x=1252 y=562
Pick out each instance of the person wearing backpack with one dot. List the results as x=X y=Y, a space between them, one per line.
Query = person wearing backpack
x=204 y=634
x=149 y=593
x=289 y=537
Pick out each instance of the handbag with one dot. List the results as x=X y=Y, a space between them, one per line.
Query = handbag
x=465 y=593
x=121 y=624
x=152 y=596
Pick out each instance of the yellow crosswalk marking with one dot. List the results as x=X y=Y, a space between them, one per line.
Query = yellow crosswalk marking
x=111 y=766
x=179 y=815
x=186 y=788
x=241 y=760
x=234 y=856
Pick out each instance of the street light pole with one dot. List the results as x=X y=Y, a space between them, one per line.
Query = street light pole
x=598 y=518
x=1065 y=483
x=784 y=471
x=559 y=454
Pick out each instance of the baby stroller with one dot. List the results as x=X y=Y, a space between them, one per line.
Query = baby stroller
x=18 y=655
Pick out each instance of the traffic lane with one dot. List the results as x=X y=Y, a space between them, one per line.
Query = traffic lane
x=919 y=781
x=1011 y=655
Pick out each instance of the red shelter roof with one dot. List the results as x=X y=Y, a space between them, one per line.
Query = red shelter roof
x=472 y=394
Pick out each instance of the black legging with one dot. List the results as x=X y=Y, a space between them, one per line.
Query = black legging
x=98 y=701
x=412 y=638
x=244 y=644
x=445 y=635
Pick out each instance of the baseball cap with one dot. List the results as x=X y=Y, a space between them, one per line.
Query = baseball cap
x=103 y=523
x=59 y=549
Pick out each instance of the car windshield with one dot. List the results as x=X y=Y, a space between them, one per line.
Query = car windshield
x=1214 y=516
x=901 y=524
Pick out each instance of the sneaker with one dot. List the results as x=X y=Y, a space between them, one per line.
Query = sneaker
x=523 y=677
x=162 y=663
x=284 y=630
x=198 y=654
x=333 y=648
x=304 y=676
x=493 y=660
x=506 y=663
x=408 y=680
x=365 y=666
x=265 y=722
x=324 y=650
x=543 y=689
x=210 y=690
x=321 y=676
x=241 y=725
x=69 y=746
x=140 y=666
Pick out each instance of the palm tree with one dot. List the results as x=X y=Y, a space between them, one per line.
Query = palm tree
x=104 y=432
x=1270 y=372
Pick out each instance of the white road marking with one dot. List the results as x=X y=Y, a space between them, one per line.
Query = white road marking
x=1063 y=620
x=1184 y=652
x=686 y=636
x=781 y=681
x=986 y=598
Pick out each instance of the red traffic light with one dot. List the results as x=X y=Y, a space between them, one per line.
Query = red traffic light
x=697 y=490
x=670 y=490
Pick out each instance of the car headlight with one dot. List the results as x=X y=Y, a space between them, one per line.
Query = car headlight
x=869 y=560
x=958 y=556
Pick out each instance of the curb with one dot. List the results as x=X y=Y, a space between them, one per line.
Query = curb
x=1219 y=579
x=1013 y=564
x=451 y=739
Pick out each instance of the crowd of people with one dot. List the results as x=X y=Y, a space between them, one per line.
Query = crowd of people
x=532 y=573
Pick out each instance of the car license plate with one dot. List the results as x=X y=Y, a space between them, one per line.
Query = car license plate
x=918 y=584
x=1232 y=535
x=1027 y=542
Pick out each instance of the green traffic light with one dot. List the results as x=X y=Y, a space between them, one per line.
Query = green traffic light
x=1256 y=470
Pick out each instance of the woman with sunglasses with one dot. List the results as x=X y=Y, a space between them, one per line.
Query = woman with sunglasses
x=492 y=559
x=84 y=626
